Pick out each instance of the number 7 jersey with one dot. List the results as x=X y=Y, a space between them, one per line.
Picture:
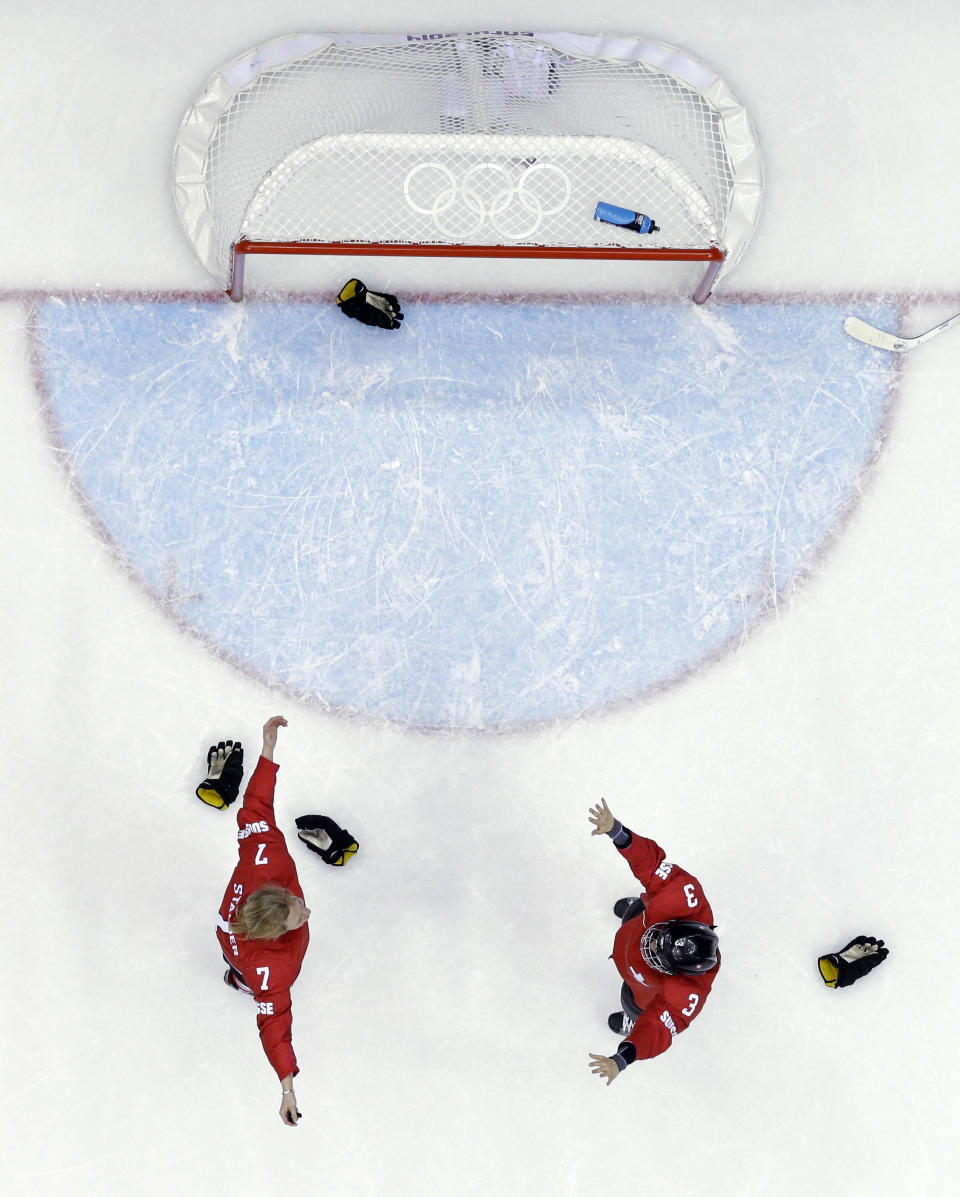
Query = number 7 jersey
x=668 y=1003
x=269 y=967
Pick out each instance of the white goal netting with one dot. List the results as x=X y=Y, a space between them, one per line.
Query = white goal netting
x=482 y=139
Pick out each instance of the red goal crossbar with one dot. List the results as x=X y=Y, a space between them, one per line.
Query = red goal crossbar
x=712 y=255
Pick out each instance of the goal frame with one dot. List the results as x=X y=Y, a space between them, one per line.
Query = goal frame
x=200 y=124
x=714 y=256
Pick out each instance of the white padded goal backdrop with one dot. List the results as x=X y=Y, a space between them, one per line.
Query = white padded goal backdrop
x=475 y=139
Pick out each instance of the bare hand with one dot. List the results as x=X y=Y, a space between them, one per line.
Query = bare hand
x=289 y=1113
x=604 y=1066
x=270 y=735
x=601 y=818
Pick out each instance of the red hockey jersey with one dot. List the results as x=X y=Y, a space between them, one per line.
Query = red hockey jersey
x=669 y=1004
x=269 y=967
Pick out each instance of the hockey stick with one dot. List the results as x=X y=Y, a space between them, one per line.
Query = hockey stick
x=884 y=340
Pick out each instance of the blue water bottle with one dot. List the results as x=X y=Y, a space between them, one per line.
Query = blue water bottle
x=625 y=218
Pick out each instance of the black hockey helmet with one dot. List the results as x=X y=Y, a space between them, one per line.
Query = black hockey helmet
x=680 y=947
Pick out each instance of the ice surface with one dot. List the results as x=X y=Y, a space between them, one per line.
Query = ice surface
x=510 y=513
x=458 y=974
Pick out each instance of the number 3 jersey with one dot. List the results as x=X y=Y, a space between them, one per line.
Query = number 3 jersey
x=668 y=1003
x=268 y=967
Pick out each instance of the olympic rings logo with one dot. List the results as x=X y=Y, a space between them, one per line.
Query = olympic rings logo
x=487 y=191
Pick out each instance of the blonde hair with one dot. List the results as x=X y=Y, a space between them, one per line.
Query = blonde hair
x=264 y=914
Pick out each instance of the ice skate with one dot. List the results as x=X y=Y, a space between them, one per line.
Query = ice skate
x=627 y=907
x=620 y=1024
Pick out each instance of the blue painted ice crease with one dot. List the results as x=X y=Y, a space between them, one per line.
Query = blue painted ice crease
x=505 y=512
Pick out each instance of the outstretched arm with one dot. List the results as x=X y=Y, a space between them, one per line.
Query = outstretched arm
x=258 y=799
x=643 y=855
x=270 y=735
x=648 y=1038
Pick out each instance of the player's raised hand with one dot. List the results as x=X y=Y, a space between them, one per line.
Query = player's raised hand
x=270 y=735
x=601 y=818
x=604 y=1066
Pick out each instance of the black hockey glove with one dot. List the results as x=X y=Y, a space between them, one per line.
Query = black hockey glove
x=369 y=307
x=224 y=774
x=323 y=836
x=842 y=968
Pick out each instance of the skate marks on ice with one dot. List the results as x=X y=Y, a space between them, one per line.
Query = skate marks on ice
x=502 y=514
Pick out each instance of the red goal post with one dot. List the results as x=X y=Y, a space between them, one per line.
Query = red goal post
x=485 y=145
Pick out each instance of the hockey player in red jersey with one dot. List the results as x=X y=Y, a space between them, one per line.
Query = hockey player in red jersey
x=262 y=923
x=665 y=951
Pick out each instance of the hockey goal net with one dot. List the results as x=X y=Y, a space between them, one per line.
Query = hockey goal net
x=480 y=144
